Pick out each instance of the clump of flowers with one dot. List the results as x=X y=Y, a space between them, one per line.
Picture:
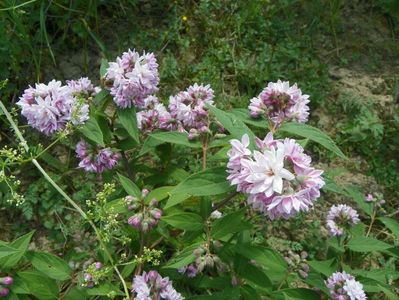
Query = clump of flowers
x=344 y=286
x=83 y=87
x=146 y=216
x=49 y=107
x=5 y=283
x=94 y=159
x=277 y=177
x=205 y=259
x=153 y=116
x=188 y=110
x=340 y=218
x=375 y=198
x=297 y=263
x=152 y=286
x=280 y=102
x=93 y=274
x=190 y=270
x=132 y=77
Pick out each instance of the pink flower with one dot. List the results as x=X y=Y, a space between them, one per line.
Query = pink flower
x=278 y=177
x=340 y=218
x=280 y=102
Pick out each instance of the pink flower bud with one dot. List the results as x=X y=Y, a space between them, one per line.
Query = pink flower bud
x=98 y=265
x=7 y=280
x=144 y=192
x=156 y=213
x=154 y=202
x=152 y=275
x=135 y=220
x=4 y=292
x=87 y=277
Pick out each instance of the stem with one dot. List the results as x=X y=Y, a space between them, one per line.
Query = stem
x=284 y=280
x=204 y=149
x=225 y=201
x=372 y=221
x=139 y=267
x=63 y=194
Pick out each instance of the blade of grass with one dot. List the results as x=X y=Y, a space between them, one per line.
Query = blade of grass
x=44 y=31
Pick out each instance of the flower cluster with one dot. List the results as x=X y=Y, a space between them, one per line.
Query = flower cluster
x=146 y=216
x=205 y=259
x=133 y=77
x=298 y=263
x=188 y=109
x=344 y=286
x=340 y=218
x=5 y=283
x=95 y=160
x=281 y=102
x=152 y=286
x=153 y=116
x=377 y=198
x=83 y=87
x=277 y=177
x=93 y=275
x=50 y=107
x=190 y=270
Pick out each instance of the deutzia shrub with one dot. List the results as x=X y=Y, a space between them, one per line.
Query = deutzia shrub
x=189 y=200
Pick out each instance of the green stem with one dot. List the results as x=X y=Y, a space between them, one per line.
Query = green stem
x=372 y=221
x=63 y=194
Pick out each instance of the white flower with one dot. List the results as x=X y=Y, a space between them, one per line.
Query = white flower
x=216 y=215
x=354 y=290
x=267 y=172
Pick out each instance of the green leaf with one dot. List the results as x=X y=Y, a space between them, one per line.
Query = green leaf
x=174 y=137
x=149 y=144
x=367 y=244
x=255 y=276
x=104 y=289
x=392 y=225
x=243 y=115
x=269 y=259
x=313 y=134
x=11 y=253
x=232 y=123
x=129 y=186
x=205 y=183
x=297 y=294
x=159 y=193
x=103 y=67
x=229 y=224
x=185 y=221
x=127 y=117
x=40 y=286
x=325 y=267
x=92 y=130
x=249 y=293
x=51 y=265
x=182 y=258
x=76 y=293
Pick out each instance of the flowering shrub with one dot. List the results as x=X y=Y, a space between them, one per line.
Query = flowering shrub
x=185 y=192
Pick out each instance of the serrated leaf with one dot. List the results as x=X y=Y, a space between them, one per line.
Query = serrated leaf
x=229 y=224
x=174 y=137
x=127 y=117
x=205 y=183
x=92 y=131
x=11 y=253
x=129 y=186
x=367 y=244
x=313 y=134
x=185 y=221
x=51 y=265
x=232 y=124
x=392 y=225
x=325 y=267
x=40 y=286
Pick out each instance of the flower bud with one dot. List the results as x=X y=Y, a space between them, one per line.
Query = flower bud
x=209 y=261
x=135 y=220
x=304 y=254
x=144 y=192
x=193 y=134
x=220 y=135
x=201 y=266
x=4 y=292
x=98 y=265
x=234 y=281
x=198 y=252
x=154 y=202
x=145 y=226
x=156 y=213
x=152 y=275
x=305 y=268
x=303 y=274
x=7 y=280
x=87 y=277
